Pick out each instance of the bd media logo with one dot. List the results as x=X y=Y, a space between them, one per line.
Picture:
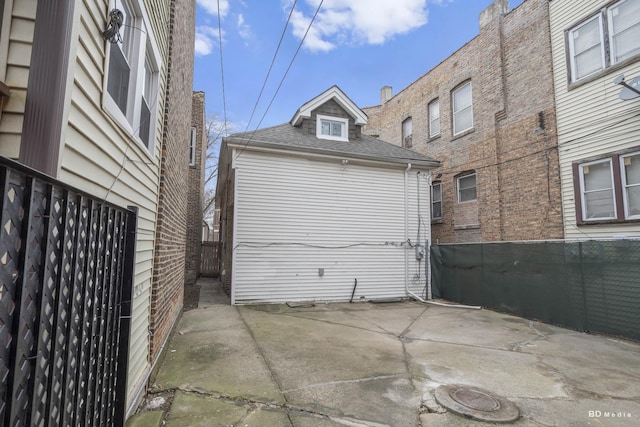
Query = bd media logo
x=607 y=414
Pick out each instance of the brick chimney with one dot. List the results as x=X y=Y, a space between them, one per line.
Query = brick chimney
x=495 y=10
x=386 y=93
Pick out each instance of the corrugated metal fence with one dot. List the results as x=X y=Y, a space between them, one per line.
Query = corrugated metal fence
x=66 y=269
x=584 y=285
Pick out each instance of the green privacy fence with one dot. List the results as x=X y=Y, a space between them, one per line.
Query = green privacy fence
x=587 y=285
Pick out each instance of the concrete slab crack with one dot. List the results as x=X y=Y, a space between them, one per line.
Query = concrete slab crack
x=359 y=380
x=540 y=336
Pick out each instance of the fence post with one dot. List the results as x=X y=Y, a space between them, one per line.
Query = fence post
x=126 y=303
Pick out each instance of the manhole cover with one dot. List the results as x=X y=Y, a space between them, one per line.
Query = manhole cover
x=475 y=399
x=475 y=403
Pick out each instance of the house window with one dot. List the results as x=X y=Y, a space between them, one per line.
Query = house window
x=434 y=118
x=608 y=189
x=630 y=167
x=334 y=128
x=407 y=133
x=436 y=200
x=462 y=108
x=132 y=75
x=605 y=39
x=466 y=188
x=192 y=147
x=596 y=186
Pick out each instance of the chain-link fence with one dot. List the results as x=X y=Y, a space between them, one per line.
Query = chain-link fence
x=587 y=285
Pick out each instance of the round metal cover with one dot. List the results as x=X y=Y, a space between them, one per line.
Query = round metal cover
x=475 y=403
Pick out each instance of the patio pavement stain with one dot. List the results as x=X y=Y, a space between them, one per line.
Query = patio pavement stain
x=375 y=365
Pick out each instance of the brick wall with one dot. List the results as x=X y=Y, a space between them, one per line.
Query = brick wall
x=512 y=146
x=195 y=192
x=169 y=259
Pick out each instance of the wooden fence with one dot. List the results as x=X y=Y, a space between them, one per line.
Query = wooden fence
x=210 y=259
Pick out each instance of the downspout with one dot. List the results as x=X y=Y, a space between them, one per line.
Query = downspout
x=406 y=230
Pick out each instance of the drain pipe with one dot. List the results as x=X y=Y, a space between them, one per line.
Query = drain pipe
x=406 y=252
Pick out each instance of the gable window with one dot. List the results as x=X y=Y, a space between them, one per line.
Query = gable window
x=466 y=188
x=462 y=109
x=608 y=189
x=335 y=128
x=132 y=75
x=434 y=118
x=436 y=200
x=605 y=39
x=192 y=147
x=407 y=133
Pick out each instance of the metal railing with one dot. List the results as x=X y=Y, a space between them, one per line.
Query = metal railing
x=66 y=271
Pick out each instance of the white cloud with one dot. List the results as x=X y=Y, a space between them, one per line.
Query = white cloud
x=244 y=30
x=358 y=21
x=206 y=39
x=211 y=7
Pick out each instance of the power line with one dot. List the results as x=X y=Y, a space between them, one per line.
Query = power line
x=282 y=80
x=224 y=98
x=264 y=84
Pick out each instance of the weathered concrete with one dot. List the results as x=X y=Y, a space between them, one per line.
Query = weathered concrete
x=379 y=364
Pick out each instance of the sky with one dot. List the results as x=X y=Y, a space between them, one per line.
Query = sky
x=359 y=45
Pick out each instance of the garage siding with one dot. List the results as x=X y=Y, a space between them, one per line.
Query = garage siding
x=295 y=216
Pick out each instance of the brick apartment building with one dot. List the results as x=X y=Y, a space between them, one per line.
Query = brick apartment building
x=195 y=192
x=487 y=113
x=170 y=237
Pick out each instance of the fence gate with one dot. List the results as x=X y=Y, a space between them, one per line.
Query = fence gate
x=66 y=268
x=210 y=261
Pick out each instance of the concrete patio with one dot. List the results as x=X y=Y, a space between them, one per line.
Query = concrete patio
x=370 y=364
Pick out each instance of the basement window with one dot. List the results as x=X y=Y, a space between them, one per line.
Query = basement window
x=334 y=128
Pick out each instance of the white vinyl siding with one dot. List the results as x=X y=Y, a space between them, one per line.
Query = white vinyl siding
x=294 y=216
x=100 y=157
x=15 y=56
x=592 y=120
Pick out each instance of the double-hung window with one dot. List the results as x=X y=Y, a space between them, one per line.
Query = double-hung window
x=462 y=108
x=334 y=128
x=436 y=200
x=407 y=133
x=192 y=147
x=434 y=118
x=608 y=189
x=466 y=188
x=609 y=37
x=132 y=75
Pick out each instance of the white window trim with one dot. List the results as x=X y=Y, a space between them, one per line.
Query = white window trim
x=130 y=122
x=572 y=56
x=345 y=127
x=192 y=147
x=431 y=120
x=6 y=17
x=610 y=32
x=582 y=191
x=439 y=184
x=407 y=139
x=454 y=112
x=623 y=181
x=458 y=187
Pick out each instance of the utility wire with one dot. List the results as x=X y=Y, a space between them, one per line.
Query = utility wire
x=224 y=98
x=264 y=84
x=281 y=80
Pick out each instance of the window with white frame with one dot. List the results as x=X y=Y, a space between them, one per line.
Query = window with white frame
x=192 y=147
x=608 y=189
x=334 y=128
x=466 y=188
x=436 y=200
x=434 y=118
x=462 y=108
x=609 y=37
x=407 y=133
x=132 y=75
